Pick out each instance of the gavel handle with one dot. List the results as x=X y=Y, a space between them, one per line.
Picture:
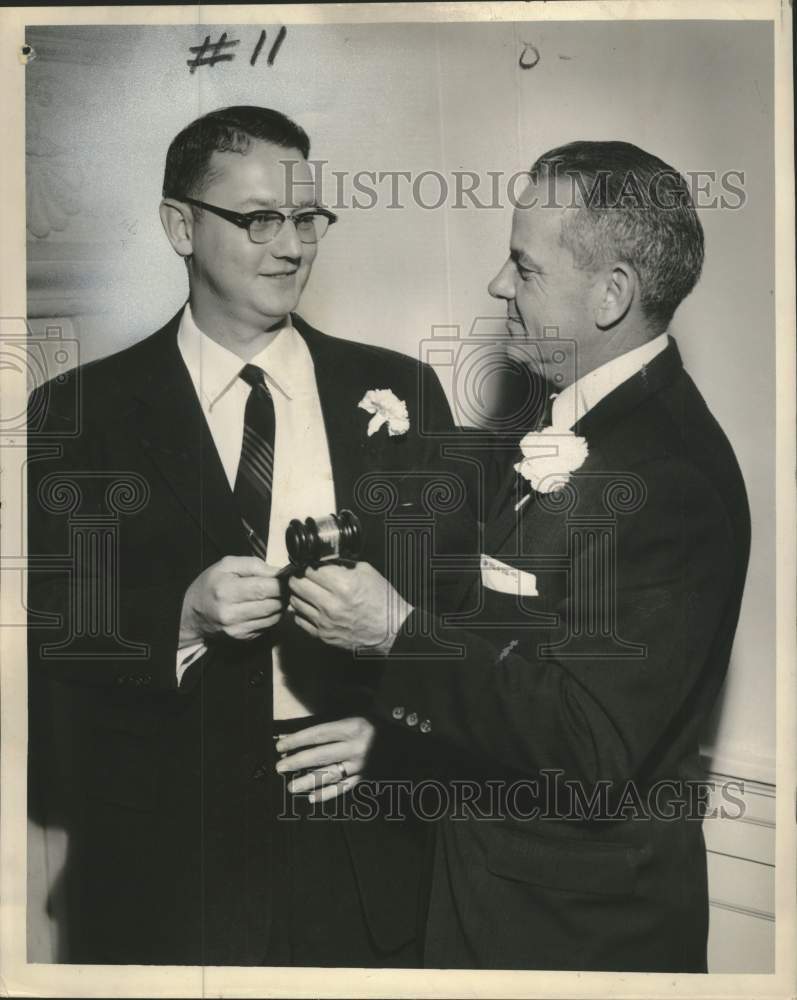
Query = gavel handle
x=291 y=570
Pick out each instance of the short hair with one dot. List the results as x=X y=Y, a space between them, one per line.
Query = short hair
x=227 y=130
x=634 y=207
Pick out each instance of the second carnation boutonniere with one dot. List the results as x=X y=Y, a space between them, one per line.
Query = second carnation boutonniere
x=386 y=408
x=550 y=456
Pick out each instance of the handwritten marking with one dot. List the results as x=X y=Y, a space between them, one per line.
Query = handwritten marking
x=202 y=59
x=209 y=53
x=258 y=47
x=277 y=44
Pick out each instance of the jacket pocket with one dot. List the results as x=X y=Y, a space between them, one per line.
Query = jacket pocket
x=571 y=865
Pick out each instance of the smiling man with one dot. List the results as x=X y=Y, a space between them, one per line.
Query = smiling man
x=615 y=560
x=157 y=746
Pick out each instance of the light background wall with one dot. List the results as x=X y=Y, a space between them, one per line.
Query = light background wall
x=103 y=104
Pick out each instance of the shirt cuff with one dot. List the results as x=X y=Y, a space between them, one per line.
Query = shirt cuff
x=188 y=655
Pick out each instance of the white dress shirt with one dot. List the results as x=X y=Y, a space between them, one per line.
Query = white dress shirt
x=302 y=484
x=574 y=401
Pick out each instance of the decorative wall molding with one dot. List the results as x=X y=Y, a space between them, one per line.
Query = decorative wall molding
x=54 y=180
x=739 y=762
x=741 y=870
x=58 y=93
x=745 y=911
x=64 y=278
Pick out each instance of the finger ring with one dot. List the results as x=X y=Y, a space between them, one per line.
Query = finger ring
x=343 y=772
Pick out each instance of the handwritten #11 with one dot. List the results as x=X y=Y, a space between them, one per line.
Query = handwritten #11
x=209 y=53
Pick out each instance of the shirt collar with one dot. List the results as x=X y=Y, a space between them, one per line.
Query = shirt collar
x=214 y=369
x=574 y=401
x=287 y=363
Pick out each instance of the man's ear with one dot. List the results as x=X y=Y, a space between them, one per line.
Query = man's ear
x=616 y=292
x=178 y=222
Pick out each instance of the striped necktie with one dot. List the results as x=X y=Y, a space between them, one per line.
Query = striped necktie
x=256 y=466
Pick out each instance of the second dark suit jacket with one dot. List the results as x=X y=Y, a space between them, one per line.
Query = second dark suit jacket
x=163 y=789
x=602 y=680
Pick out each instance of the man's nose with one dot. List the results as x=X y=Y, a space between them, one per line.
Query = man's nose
x=287 y=243
x=503 y=285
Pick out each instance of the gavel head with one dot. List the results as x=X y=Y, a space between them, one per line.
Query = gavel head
x=338 y=536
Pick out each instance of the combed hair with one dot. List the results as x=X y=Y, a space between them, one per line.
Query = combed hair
x=633 y=207
x=227 y=130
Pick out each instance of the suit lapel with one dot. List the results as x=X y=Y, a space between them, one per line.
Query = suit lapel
x=344 y=423
x=631 y=393
x=174 y=432
x=504 y=515
x=596 y=422
x=342 y=378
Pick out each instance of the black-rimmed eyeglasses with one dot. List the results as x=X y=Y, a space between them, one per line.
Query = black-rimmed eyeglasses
x=264 y=225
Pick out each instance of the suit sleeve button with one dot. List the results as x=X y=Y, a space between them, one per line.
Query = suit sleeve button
x=412 y=719
x=398 y=712
x=257 y=678
x=425 y=726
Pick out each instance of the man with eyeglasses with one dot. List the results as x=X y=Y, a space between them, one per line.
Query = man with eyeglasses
x=191 y=839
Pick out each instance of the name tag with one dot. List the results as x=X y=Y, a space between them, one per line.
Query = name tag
x=497 y=575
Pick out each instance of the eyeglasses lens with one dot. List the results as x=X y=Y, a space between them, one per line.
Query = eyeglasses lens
x=310 y=227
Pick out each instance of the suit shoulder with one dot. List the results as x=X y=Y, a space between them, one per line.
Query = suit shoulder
x=367 y=366
x=676 y=445
x=359 y=352
x=100 y=382
x=674 y=423
x=699 y=438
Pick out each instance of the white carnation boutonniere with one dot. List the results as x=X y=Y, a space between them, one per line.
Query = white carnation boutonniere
x=550 y=456
x=386 y=408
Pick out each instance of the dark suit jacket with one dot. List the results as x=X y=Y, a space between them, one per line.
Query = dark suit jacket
x=163 y=790
x=604 y=679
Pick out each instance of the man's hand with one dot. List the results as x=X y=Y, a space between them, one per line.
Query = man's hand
x=333 y=760
x=351 y=607
x=238 y=595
